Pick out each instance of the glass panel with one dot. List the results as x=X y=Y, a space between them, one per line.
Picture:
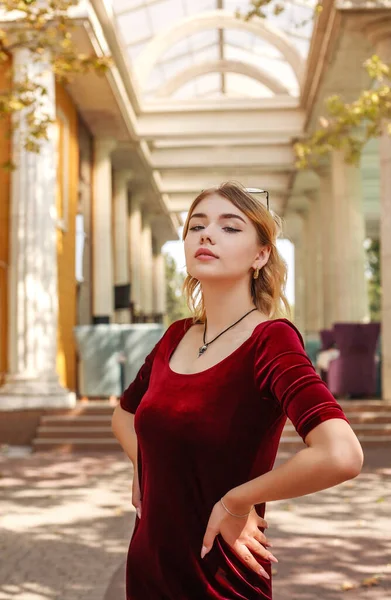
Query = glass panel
x=150 y=17
x=134 y=26
x=163 y=15
x=238 y=85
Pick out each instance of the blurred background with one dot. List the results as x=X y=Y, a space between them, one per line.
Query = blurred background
x=115 y=115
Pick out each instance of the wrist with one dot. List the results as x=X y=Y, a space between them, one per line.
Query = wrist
x=235 y=503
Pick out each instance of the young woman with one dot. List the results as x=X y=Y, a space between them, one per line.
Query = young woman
x=202 y=420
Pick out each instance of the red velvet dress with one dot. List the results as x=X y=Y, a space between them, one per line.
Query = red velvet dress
x=201 y=434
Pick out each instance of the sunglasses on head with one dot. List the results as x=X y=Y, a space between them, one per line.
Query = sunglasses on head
x=259 y=191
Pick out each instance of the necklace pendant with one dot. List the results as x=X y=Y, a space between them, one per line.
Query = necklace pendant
x=201 y=350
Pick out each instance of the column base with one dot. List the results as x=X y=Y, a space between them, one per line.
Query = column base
x=23 y=394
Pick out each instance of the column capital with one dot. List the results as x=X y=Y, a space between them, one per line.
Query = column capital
x=122 y=177
x=104 y=146
x=378 y=33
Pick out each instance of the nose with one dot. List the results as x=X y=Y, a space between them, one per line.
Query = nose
x=207 y=233
x=205 y=236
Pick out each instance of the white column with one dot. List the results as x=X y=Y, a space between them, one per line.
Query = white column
x=32 y=381
x=314 y=280
x=121 y=237
x=329 y=258
x=351 y=295
x=146 y=268
x=383 y=48
x=296 y=233
x=159 y=285
x=103 y=264
x=135 y=228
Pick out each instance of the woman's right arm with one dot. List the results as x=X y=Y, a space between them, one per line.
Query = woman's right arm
x=122 y=425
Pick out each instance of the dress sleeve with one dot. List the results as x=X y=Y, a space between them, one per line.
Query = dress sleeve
x=283 y=367
x=133 y=394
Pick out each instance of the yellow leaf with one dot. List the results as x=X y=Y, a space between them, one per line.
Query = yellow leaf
x=370 y=581
x=346 y=586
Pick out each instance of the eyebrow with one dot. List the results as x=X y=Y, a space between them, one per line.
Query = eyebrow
x=223 y=216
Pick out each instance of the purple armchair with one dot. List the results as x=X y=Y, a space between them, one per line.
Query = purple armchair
x=327 y=341
x=354 y=372
x=327 y=338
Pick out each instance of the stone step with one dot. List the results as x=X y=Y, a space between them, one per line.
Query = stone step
x=88 y=427
x=104 y=407
x=364 y=428
x=76 y=421
x=74 y=432
x=383 y=441
x=363 y=405
x=80 y=445
x=86 y=420
x=83 y=408
x=112 y=445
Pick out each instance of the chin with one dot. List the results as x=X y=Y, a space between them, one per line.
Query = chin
x=207 y=275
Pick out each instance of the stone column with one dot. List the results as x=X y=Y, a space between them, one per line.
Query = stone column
x=146 y=269
x=296 y=233
x=121 y=244
x=351 y=295
x=32 y=380
x=135 y=229
x=381 y=36
x=159 y=287
x=103 y=264
x=313 y=266
x=329 y=259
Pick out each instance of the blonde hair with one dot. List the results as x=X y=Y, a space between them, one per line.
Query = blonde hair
x=268 y=291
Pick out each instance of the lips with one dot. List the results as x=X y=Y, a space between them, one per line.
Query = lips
x=205 y=252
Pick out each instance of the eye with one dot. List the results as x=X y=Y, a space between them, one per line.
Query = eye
x=231 y=229
x=195 y=228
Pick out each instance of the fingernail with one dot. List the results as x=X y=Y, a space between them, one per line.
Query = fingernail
x=272 y=558
x=263 y=572
x=203 y=551
x=138 y=511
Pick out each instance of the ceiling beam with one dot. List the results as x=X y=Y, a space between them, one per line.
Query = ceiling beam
x=208 y=141
x=181 y=203
x=277 y=156
x=200 y=123
x=180 y=182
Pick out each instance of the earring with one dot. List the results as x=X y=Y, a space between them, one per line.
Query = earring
x=256 y=273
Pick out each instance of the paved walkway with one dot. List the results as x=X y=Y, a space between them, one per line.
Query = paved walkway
x=66 y=522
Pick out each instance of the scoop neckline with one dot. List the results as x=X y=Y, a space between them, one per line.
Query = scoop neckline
x=223 y=360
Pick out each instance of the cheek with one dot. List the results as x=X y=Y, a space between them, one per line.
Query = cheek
x=187 y=245
x=239 y=254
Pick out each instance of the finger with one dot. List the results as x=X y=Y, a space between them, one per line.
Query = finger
x=248 y=559
x=261 y=537
x=137 y=506
x=262 y=522
x=257 y=548
x=208 y=540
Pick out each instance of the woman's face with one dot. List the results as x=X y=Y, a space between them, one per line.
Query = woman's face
x=218 y=226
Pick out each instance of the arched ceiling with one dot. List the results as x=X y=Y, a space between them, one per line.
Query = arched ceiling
x=219 y=96
x=166 y=38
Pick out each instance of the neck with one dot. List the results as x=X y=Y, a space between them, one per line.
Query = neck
x=225 y=302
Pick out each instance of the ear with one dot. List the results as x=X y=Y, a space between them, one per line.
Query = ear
x=262 y=257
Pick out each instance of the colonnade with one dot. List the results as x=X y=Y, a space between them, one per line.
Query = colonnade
x=330 y=279
x=127 y=276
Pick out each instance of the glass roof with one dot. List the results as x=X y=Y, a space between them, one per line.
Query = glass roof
x=140 y=20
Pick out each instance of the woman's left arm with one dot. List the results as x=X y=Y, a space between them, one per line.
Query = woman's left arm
x=333 y=455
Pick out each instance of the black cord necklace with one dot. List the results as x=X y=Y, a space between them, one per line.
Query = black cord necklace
x=205 y=346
